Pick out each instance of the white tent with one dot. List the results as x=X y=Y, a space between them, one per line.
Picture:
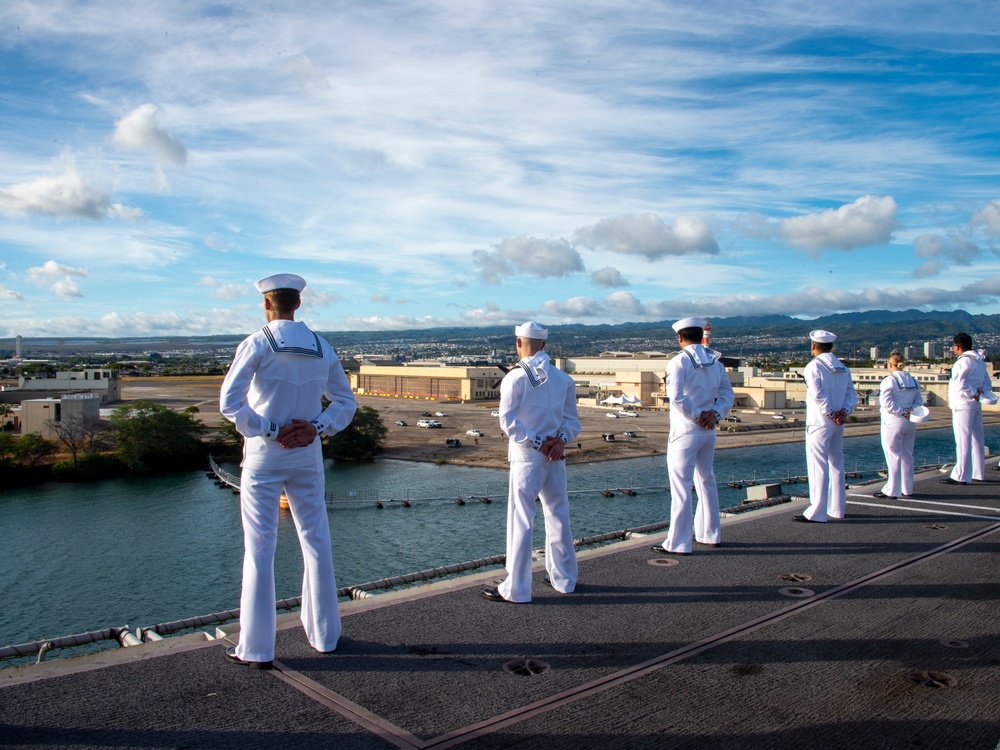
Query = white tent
x=632 y=400
x=614 y=400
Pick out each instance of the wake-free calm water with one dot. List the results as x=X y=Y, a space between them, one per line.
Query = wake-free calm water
x=78 y=557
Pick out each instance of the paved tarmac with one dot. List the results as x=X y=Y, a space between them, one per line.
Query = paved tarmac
x=878 y=631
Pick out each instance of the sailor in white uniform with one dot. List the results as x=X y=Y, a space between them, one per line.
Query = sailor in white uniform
x=272 y=393
x=538 y=414
x=970 y=382
x=700 y=396
x=899 y=394
x=830 y=398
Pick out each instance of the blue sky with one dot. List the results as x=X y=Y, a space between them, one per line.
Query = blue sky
x=463 y=163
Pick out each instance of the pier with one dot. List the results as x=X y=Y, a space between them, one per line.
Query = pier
x=877 y=631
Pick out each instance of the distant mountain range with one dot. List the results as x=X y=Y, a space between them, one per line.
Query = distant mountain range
x=755 y=334
x=882 y=328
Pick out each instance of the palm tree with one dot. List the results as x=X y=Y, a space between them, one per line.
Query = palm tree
x=5 y=411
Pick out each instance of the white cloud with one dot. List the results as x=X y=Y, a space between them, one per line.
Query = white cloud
x=60 y=195
x=378 y=297
x=608 y=277
x=489 y=314
x=870 y=220
x=229 y=291
x=126 y=213
x=140 y=131
x=930 y=268
x=313 y=298
x=939 y=251
x=195 y=323
x=216 y=242
x=57 y=278
x=573 y=308
x=647 y=236
x=624 y=303
x=393 y=323
x=7 y=294
x=990 y=216
x=807 y=302
x=528 y=255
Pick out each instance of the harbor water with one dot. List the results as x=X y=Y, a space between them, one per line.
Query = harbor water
x=79 y=557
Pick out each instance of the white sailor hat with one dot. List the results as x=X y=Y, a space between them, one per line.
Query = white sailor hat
x=680 y=325
x=531 y=330
x=280 y=281
x=822 y=337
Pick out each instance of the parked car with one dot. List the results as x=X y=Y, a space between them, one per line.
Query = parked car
x=428 y=423
x=440 y=414
x=627 y=413
x=494 y=413
x=609 y=437
x=611 y=415
x=733 y=419
x=473 y=433
x=629 y=433
x=426 y=414
x=453 y=442
x=777 y=416
x=400 y=423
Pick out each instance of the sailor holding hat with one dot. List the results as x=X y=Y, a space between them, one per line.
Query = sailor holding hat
x=272 y=393
x=830 y=397
x=538 y=414
x=700 y=396
x=899 y=394
x=969 y=384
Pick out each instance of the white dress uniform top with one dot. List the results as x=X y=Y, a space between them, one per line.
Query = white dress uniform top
x=696 y=382
x=278 y=374
x=828 y=390
x=899 y=394
x=969 y=380
x=537 y=401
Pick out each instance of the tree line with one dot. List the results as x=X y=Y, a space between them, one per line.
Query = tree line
x=144 y=438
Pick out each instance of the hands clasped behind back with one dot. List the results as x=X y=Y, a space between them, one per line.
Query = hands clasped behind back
x=297 y=434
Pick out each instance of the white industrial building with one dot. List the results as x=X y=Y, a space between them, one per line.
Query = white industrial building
x=49 y=416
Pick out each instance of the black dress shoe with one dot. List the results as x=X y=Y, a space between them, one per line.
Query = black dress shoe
x=883 y=495
x=663 y=550
x=949 y=480
x=493 y=595
x=232 y=657
x=548 y=581
x=803 y=519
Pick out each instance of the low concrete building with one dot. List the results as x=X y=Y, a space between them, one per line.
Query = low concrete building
x=48 y=416
x=434 y=382
x=102 y=382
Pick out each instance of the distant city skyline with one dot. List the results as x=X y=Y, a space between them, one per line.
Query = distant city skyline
x=437 y=164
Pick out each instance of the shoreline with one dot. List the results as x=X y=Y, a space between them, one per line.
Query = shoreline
x=725 y=441
x=641 y=436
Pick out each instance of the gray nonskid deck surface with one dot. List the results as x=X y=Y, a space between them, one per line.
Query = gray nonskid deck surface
x=432 y=665
x=189 y=700
x=834 y=675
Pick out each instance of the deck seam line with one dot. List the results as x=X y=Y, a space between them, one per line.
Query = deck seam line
x=487 y=726
x=924 y=510
x=347 y=708
x=932 y=502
